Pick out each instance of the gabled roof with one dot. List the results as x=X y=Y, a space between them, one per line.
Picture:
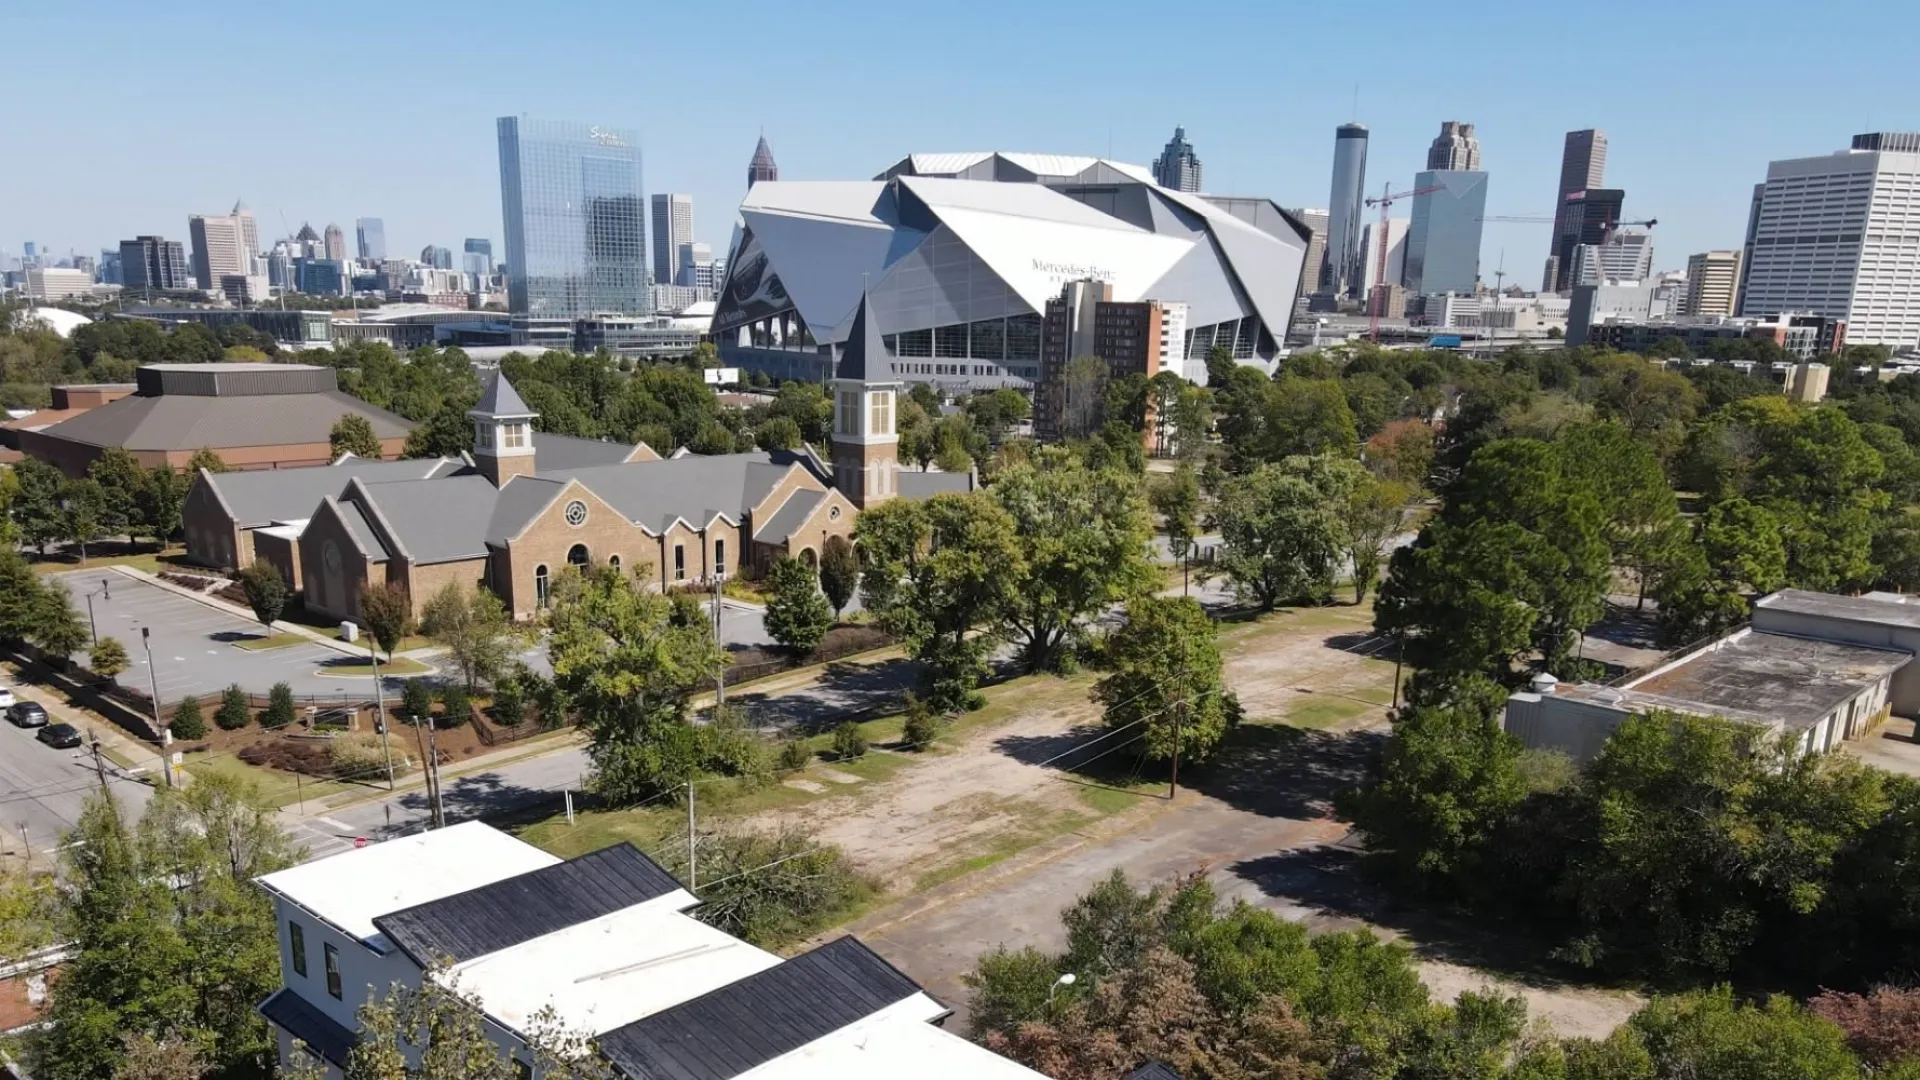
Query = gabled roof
x=185 y=423
x=1153 y=1070
x=438 y=520
x=499 y=400
x=518 y=503
x=864 y=358
x=693 y=488
x=728 y=1031
x=506 y=913
x=572 y=452
x=263 y=496
x=791 y=515
x=914 y=484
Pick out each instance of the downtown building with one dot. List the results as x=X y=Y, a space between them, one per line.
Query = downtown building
x=1344 y=276
x=575 y=227
x=1177 y=167
x=1712 y=278
x=1583 y=166
x=151 y=264
x=961 y=253
x=1839 y=236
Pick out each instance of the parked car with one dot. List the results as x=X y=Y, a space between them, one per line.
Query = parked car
x=6 y=697
x=27 y=714
x=59 y=736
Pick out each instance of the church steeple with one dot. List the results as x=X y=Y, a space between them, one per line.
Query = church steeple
x=502 y=431
x=866 y=462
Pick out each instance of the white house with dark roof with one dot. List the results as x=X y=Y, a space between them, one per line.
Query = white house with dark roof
x=608 y=943
x=523 y=506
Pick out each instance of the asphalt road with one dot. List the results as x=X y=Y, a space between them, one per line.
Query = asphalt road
x=42 y=790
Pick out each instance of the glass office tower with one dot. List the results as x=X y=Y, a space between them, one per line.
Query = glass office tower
x=1443 y=243
x=575 y=219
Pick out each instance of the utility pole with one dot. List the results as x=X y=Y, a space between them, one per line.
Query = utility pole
x=433 y=757
x=153 y=685
x=693 y=855
x=433 y=816
x=99 y=766
x=93 y=631
x=720 y=673
x=380 y=708
x=1179 y=724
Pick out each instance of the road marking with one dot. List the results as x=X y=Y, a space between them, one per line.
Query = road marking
x=341 y=825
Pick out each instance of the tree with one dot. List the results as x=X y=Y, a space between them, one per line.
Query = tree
x=266 y=592
x=839 y=572
x=1644 y=528
x=773 y=888
x=940 y=575
x=53 y=624
x=797 y=615
x=107 y=658
x=1710 y=1034
x=445 y=1031
x=777 y=433
x=1083 y=394
x=387 y=612
x=123 y=484
x=280 y=708
x=1167 y=678
x=38 y=508
x=1707 y=587
x=1372 y=515
x=1280 y=537
x=188 y=723
x=1176 y=498
x=416 y=701
x=1085 y=534
x=1309 y=416
x=86 y=514
x=160 y=500
x=353 y=434
x=1220 y=366
x=628 y=670
x=208 y=459
x=235 y=711
x=1883 y=1027
x=1402 y=452
x=471 y=623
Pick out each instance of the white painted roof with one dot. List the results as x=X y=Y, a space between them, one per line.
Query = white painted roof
x=59 y=320
x=351 y=889
x=896 y=1042
x=612 y=970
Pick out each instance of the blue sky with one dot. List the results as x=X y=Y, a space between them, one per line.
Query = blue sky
x=125 y=117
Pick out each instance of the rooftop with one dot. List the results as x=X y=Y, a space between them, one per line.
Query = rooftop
x=1769 y=679
x=1888 y=608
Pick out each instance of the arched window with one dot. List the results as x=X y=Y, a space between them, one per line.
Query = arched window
x=577 y=556
x=614 y=561
x=541 y=592
x=719 y=556
x=807 y=556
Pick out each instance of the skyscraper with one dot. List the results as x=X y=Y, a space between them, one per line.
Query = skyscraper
x=154 y=264
x=336 y=244
x=672 y=227
x=1588 y=216
x=1443 y=243
x=1583 y=165
x=762 y=166
x=576 y=228
x=1711 y=280
x=1454 y=149
x=1834 y=236
x=1314 y=263
x=370 y=235
x=1746 y=247
x=1903 y=142
x=1370 y=254
x=1346 y=204
x=1177 y=168
x=249 y=230
x=216 y=249
x=437 y=257
x=476 y=258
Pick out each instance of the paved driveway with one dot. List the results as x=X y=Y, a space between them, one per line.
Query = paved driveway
x=192 y=643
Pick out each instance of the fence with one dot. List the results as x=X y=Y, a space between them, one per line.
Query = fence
x=492 y=734
x=840 y=642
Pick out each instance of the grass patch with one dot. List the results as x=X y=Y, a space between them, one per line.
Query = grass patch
x=272 y=641
x=399 y=665
x=1323 y=712
x=1107 y=800
x=407 y=644
x=152 y=562
x=277 y=788
x=647 y=828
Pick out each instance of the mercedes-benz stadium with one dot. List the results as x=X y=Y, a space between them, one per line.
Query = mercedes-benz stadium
x=960 y=253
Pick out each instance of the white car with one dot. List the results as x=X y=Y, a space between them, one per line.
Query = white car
x=6 y=697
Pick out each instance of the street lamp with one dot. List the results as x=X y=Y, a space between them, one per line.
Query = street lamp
x=153 y=686
x=1066 y=979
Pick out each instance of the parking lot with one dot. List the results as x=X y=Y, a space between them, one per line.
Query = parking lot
x=192 y=643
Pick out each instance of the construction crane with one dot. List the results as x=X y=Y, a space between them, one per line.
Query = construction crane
x=1377 y=295
x=1519 y=219
x=1616 y=226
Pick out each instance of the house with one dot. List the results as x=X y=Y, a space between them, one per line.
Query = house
x=523 y=506
x=254 y=415
x=1836 y=676
x=606 y=942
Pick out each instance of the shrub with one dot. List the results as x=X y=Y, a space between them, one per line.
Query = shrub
x=795 y=754
x=510 y=702
x=798 y=885
x=457 y=705
x=235 y=710
x=416 y=701
x=732 y=747
x=923 y=725
x=188 y=721
x=279 y=707
x=362 y=757
x=107 y=658
x=848 y=743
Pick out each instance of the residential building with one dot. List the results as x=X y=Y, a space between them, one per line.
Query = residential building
x=1626 y=255
x=52 y=283
x=1396 y=266
x=1142 y=337
x=1712 y=279
x=605 y=945
x=1588 y=216
x=1346 y=202
x=476 y=258
x=1805 y=337
x=762 y=166
x=1454 y=150
x=153 y=264
x=1443 y=240
x=1836 y=236
x=255 y=416
x=959 y=271
x=672 y=227
x=336 y=244
x=575 y=224
x=370 y=239
x=217 y=249
x=1177 y=167
x=1583 y=166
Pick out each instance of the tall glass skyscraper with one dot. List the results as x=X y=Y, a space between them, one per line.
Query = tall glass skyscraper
x=1443 y=244
x=1346 y=204
x=575 y=219
x=371 y=234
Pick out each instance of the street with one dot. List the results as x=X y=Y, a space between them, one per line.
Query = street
x=43 y=789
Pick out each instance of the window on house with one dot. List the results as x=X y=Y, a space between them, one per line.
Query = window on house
x=516 y=436
x=881 y=414
x=614 y=561
x=297 y=939
x=483 y=435
x=679 y=562
x=541 y=591
x=333 y=971
x=719 y=556
x=849 y=416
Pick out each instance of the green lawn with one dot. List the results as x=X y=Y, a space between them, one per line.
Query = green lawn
x=152 y=562
x=280 y=789
x=1323 y=712
x=276 y=641
x=399 y=665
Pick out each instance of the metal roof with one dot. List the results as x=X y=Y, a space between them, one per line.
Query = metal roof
x=189 y=422
x=552 y=452
x=1153 y=1070
x=499 y=399
x=262 y=496
x=914 y=484
x=503 y=914
x=1866 y=609
x=864 y=357
x=323 y=1034
x=728 y=1031
x=518 y=503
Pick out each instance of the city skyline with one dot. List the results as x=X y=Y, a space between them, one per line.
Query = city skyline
x=1263 y=134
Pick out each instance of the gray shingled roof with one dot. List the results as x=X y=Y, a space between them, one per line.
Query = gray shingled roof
x=692 y=488
x=438 y=520
x=790 y=516
x=363 y=532
x=519 y=503
x=189 y=422
x=506 y=913
x=553 y=452
x=749 y=1022
x=499 y=398
x=263 y=496
x=1153 y=1070
x=925 y=485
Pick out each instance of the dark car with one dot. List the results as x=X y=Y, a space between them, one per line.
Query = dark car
x=59 y=736
x=28 y=714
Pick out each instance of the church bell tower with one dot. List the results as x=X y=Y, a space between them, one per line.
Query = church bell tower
x=866 y=458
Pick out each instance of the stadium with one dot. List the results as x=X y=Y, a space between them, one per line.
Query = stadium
x=960 y=253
